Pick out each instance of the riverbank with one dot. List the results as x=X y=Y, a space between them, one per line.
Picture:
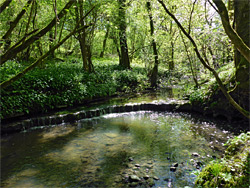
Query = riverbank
x=233 y=169
x=65 y=84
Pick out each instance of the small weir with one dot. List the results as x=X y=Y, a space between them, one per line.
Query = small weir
x=71 y=117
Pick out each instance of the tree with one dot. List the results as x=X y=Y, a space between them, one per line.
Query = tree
x=242 y=19
x=222 y=87
x=233 y=35
x=14 y=23
x=105 y=40
x=39 y=60
x=23 y=43
x=154 y=72
x=4 y=5
x=124 y=59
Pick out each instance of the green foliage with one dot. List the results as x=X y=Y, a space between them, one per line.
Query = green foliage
x=210 y=86
x=233 y=169
x=60 y=84
x=196 y=96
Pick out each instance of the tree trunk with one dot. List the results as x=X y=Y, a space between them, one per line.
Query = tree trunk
x=81 y=36
x=4 y=5
x=51 y=41
x=124 y=61
x=154 y=73
x=222 y=87
x=13 y=24
x=12 y=53
x=89 y=58
x=232 y=34
x=105 y=41
x=242 y=22
x=171 y=62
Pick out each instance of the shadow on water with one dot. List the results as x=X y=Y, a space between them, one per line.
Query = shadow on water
x=110 y=151
x=25 y=157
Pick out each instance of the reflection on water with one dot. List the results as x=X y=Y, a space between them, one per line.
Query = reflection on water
x=115 y=150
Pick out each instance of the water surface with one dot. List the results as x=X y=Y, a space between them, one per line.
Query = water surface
x=107 y=151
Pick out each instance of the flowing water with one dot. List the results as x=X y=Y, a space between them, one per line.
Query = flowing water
x=137 y=149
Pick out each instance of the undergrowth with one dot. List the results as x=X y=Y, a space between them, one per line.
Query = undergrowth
x=209 y=86
x=233 y=169
x=65 y=84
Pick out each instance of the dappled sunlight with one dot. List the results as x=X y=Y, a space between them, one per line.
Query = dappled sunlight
x=26 y=178
x=103 y=151
x=89 y=145
x=55 y=132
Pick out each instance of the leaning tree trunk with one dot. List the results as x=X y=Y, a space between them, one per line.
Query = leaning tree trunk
x=26 y=43
x=232 y=34
x=4 y=5
x=39 y=60
x=222 y=87
x=13 y=25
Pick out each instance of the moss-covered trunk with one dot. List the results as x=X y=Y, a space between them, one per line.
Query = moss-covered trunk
x=242 y=24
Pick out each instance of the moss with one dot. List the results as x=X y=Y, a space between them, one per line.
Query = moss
x=233 y=169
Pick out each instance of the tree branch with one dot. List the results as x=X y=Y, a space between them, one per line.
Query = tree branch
x=10 y=54
x=39 y=60
x=232 y=34
x=4 y=5
x=222 y=87
x=15 y=22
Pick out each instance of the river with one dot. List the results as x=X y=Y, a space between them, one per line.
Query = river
x=133 y=149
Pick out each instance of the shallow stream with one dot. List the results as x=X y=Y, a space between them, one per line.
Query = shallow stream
x=139 y=149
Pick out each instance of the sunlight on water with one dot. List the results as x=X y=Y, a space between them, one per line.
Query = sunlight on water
x=111 y=150
x=55 y=132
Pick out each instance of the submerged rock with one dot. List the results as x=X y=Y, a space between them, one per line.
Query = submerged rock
x=155 y=178
x=195 y=155
x=199 y=163
x=175 y=164
x=172 y=169
x=130 y=159
x=134 y=178
x=151 y=182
